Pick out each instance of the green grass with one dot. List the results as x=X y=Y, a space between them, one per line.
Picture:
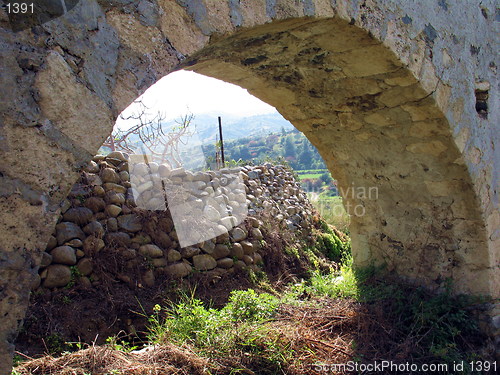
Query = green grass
x=332 y=211
x=239 y=327
x=311 y=176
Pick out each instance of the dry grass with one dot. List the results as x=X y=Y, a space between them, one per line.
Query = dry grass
x=319 y=333
x=102 y=360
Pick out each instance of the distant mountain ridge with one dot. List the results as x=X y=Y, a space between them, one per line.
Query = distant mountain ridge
x=207 y=126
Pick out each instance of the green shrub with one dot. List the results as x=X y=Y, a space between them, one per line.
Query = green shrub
x=250 y=306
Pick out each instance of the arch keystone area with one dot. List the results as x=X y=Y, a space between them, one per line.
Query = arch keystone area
x=400 y=98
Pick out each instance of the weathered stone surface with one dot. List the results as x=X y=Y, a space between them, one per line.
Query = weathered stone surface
x=220 y=251
x=46 y=259
x=151 y=250
x=78 y=215
x=64 y=255
x=110 y=175
x=113 y=210
x=130 y=223
x=238 y=234
x=92 y=245
x=51 y=244
x=173 y=256
x=85 y=266
x=74 y=243
x=204 y=262
x=248 y=247
x=66 y=231
x=96 y=204
x=94 y=228
x=179 y=270
x=117 y=239
x=188 y=252
x=58 y=275
x=225 y=263
x=237 y=251
x=257 y=234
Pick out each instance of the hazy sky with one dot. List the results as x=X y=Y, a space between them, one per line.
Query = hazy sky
x=184 y=92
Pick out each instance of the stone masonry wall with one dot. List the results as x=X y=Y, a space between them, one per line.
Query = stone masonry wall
x=402 y=95
x=100 y=215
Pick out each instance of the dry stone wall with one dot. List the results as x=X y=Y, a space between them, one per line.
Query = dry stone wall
x=101 y=217
x=396 y=94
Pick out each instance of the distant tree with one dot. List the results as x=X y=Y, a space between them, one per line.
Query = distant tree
x=305 y=156
x=290 y=150
x=326 y=178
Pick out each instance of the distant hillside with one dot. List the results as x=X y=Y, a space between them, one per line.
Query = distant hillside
x=207 y=126
x=291 y=145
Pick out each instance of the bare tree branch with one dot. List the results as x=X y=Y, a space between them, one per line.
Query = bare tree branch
x=154 y=135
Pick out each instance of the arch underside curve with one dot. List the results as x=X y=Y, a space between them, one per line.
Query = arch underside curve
x=412 y=204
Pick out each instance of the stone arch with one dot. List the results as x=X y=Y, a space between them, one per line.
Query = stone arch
x=385 y=90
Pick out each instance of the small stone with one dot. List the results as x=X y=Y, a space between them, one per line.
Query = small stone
x=141 y=239
x=80 y=253
x=224 y=237
x=129 y=254
x=179 y=269
x=159 y=262
x=211 y=214
x=238 y=234
x=173 y=256
x=177 y=172
x=92 y=245
x=46 y=260
x=124 y=176
x=96 y=204
x=58 y=275
x=93 y=180
x=85 y=266
x=225 y=263
x=91 y=167
x=257 y=258
x=110 y=187
x=247 y=247
x=78 y=215
x=247 y=259
x=130 y=223
x=112 y=224
x=66 y=231
x=237 y=251
x=74 y=243
x=85 y=282
x=113 y=210
x=240 y=265
x=94 y=228
x=257 y=234
x=98 y=191
x=208 y=246
x=117 y=155
x=228 y=222
x=151 y=250
x=110 y=175
x=117 y=239
x=162 y=239
x=221 y=251
x=190 y=251
x=51 y=244
x=164 y=171
x=204 y=262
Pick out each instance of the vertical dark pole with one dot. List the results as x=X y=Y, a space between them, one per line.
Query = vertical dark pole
x=221 y=142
